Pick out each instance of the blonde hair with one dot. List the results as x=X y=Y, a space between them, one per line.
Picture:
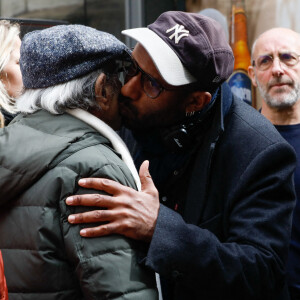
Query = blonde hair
x=8 y=34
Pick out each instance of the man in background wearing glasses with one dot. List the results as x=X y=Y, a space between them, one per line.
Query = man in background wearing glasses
x=217 y=219
x=276 y=73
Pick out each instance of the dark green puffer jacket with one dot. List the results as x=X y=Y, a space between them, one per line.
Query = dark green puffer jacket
x=42 y=157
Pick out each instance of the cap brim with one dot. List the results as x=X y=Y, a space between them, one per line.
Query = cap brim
x=164 y=58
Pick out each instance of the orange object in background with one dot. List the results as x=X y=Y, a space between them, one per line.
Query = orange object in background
x=3 y=286
x=239 y=81
x=239 y=37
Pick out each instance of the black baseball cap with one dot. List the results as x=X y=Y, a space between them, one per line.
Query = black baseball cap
x=187 y=48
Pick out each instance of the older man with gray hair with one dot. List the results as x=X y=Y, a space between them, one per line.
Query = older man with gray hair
x=70 y=79
x=275 y=71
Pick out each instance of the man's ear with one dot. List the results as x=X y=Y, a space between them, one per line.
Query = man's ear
x=197 y=100
x=101 y=92
x=251 y=74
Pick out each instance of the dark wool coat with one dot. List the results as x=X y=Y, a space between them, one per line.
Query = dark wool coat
x=235 y=197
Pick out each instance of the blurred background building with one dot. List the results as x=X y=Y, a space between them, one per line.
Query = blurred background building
x=107 y=15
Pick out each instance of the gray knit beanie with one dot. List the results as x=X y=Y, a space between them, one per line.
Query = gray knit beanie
x=61 y=53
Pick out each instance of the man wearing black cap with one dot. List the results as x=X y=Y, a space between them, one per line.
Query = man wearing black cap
x=216 y=212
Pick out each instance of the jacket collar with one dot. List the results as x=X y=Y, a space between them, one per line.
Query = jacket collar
x=198 y=185
x=117 y=143
x=223 y=105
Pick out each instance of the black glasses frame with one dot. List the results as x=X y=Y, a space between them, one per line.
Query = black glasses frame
x=144 y=76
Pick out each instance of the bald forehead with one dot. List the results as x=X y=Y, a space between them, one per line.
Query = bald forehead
x=277 y=40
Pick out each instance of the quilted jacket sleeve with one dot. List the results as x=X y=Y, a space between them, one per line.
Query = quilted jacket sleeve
x=106 y=267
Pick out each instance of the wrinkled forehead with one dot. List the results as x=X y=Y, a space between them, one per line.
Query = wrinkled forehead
x=277 y=41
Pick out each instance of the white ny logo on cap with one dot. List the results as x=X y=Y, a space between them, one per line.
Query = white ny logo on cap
x=177 y=30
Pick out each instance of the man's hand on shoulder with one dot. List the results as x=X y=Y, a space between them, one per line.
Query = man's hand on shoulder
x=128 y=212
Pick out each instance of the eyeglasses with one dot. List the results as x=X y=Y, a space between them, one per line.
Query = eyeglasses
x=150 y=86
x=264 y=62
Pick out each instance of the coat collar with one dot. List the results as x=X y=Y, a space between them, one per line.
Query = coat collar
x=117 y=143
x=198 y=185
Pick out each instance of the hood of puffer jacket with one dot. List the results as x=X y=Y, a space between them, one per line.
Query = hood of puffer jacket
x=30 y=144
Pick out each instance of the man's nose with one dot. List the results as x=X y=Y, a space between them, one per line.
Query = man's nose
x=277 y=67
x=132 y=87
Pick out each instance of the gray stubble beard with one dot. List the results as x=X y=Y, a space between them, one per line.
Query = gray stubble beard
x=282 y=101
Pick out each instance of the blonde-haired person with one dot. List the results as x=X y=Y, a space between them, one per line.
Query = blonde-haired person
x=10 y=75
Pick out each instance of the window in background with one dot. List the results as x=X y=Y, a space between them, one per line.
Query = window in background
x=105 y=15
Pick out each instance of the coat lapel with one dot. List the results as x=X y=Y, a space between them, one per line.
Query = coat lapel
x=200 y=177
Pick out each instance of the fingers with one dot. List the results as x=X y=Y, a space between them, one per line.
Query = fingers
x=91 y=217
x=113 y=228
x=144 y=169
x=102 y=230
x=128 y=212
x=146 y=179
x=90 y=200
x=101 y=184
